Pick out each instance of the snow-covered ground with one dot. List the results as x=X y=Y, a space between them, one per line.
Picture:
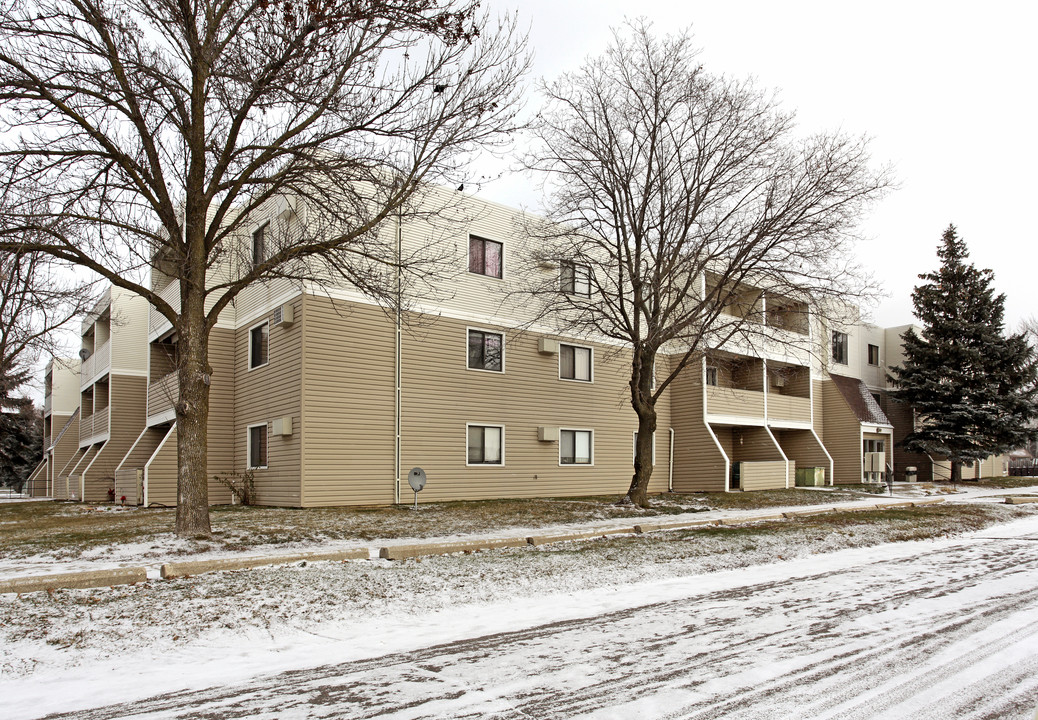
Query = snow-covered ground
x=728 y=625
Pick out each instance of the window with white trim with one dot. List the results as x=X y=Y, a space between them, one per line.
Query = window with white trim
x=574 y=362
x=259 y=337
x=259 y=244
x=574 y=278
x=486 y=257
x=873 y=354
x=486 y=350
x=576 y=447
x=839 y=347
x=634 y=448
x=711 y=376
x=486 y=445
x=257 y=446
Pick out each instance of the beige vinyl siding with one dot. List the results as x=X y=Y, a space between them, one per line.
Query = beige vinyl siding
x=128 y=398
x=126 y=474
x=129 y=332
x=788 y=408
x=161 y=471
x=72 y=484
x=994 y=466
x=348 y=406
x=841 y=433
x=745 y=443
x=65 y=386
x=699 y=465
x=763 y=475
x=221 y=410
x=255 y=302
x=735 y=402
x=66 y=447
x=801 y=447
x=441 y=395
x=265 y=393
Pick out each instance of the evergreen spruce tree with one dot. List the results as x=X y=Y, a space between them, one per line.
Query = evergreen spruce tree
x=973 y=387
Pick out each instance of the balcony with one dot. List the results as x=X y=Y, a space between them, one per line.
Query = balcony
x=100 y=361
x=47 y=403
x=163 y=394
x=788 y=408
x=735 y=402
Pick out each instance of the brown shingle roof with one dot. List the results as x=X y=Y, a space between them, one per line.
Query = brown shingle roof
x=860 y=400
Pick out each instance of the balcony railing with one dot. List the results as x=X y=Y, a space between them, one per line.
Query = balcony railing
x=162 y=394
x=735 y=402
x=789 y=408
x=47 y=403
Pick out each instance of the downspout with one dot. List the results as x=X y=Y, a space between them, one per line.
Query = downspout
x=670 y=464
x=397 y=398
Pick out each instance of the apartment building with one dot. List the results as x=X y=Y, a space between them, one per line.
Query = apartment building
x=60 y=424
x=112 y=384
x=328 y=399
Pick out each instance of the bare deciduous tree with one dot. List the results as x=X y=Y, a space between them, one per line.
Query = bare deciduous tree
x=162 y=129
x=679 y=203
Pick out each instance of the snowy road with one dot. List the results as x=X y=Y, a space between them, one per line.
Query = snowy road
x=945 y=629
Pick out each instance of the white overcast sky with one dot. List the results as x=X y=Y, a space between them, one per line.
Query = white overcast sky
x=946 y=90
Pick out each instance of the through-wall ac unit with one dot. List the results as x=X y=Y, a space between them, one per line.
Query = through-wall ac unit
x=282 y=426
x=547 y=346
x=779 y=380
x=283 y=315
x=547 y=434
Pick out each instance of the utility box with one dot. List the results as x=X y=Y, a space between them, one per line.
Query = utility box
x=547 y=434
x=910 y=473
x=548 y=346
x=282 y=426
x=810 y=477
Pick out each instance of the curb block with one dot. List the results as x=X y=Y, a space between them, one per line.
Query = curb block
x=884 y=506
x=86 y=579
x=402 y=552
x=585 y=535
x=811 y=511
x=751 y=519
x=932 y=501
x=1021 y=500
x=198 y=567
x=654 y=527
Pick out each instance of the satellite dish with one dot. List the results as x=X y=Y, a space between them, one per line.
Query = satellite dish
x=416 y=479
x=84 y=354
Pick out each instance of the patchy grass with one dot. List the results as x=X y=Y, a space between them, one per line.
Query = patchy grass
x=67 y=530
x=995 y=482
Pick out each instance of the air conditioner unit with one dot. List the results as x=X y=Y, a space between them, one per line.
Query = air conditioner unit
x=547 y=346
x=548 y=265
x=779 y=380
x=282 y=426
x=283 y=315
x=547 y=434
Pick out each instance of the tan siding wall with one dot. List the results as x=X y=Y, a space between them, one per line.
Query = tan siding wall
x=841 y=435
x=801 y=447
x=789 y=408
x=900 y=416
x=763 y=476
x=64 y=451
x=755 y=446
x=263 y=394
x=129 y=331
x=128 y=395
x=348 y=417
x=258 y=297
x=221 y=427
x=65 y=390
x=698 y=465
x=161 y=475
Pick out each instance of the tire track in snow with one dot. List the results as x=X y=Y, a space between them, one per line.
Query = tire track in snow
x=761 y=650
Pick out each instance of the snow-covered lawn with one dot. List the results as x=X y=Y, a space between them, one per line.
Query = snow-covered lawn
x=76 y=649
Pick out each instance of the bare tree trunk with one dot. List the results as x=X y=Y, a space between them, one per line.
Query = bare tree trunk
x=956 y=471
x=645 y=407
x=193 y=418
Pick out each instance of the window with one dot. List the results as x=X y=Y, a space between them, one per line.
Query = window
x=486 y=351
x=575 y=279
x=634 y=450
x=259 y=244
x=875 y=396
x=485 y=256
x=711 y=376
x=574 y=447
x=574 y=363
x=840 y=347
x=258 y=337
x=874 y=446
x=873 y=354
x=485 y=445
x=257 y=442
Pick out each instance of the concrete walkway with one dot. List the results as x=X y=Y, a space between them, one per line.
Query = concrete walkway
x=101 y=575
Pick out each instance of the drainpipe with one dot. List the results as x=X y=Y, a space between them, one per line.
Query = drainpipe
x=399 y=319
x=670 y=468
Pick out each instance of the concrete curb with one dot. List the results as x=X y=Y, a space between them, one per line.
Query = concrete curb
x=76 y=580
x=655 y=527
x=581 y=535
x=198 y=567
x=1021 y=500
x=930 y=501
x=402 y=552
x=750 y=519
x=808 y=511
